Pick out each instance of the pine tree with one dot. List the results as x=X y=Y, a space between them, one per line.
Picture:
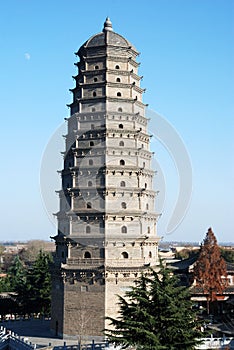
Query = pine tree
x=156 y=314
x=210 y=269
x=31 y=283
x=39 y=285
x=15 y=281
x=5 y=284
x=17 y=274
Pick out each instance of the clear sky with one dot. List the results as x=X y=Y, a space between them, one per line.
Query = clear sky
x=187 y=62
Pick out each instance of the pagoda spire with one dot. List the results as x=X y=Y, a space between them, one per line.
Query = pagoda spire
x=107 y=25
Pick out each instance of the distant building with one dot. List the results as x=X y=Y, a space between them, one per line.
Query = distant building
x=106 y=223
x=184 y=270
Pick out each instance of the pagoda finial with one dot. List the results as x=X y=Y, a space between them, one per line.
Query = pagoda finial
x=107 y=25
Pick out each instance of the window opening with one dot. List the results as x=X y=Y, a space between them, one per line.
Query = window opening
x=124 y=205
x=87 y=255
x=124 y=229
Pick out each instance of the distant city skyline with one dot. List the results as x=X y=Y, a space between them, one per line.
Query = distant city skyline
x=187 y=63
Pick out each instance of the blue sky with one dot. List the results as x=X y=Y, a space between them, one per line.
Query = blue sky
x=187 y=62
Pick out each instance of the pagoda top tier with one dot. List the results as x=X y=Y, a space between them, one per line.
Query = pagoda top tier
x=108 y=38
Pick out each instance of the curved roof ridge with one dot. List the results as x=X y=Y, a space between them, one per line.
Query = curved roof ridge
x=122 y=37
x=99 y=38
x=108 y=37
x=86 y=43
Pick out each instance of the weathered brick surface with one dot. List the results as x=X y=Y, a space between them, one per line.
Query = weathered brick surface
x=106 y=223
x=84 y=310
x=57 y=306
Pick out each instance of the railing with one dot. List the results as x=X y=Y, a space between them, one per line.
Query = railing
x=108 y=262
x=3 y=340
x=85 y=262
x=15 y=343
x=215 y=343
x=10 y=340
x=91 y=346
x=122 y=262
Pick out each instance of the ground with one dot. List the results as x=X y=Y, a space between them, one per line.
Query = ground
x=37 y=331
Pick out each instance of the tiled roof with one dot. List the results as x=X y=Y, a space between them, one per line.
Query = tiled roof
x=183 y=264
x=186 y=263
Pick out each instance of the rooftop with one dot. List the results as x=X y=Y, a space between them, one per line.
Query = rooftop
x=108 y=38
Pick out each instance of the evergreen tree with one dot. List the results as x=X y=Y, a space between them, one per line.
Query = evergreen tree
x=5 y=284
x=17 y=274
x=39 y=285
x=210 y=269
x=156 y=314
x=32 y=285
x=15 y=281
x=227 y=254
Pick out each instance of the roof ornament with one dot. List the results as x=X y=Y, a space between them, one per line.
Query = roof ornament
x=107 y=25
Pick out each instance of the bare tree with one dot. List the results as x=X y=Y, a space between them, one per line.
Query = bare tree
x=84 y=318
x=32 y=249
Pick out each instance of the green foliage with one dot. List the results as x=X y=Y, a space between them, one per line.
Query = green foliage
x=5 y=284
x=155 y=314
x=31 y=283
x=39 y=284
x=227 y=254
x=17 y=274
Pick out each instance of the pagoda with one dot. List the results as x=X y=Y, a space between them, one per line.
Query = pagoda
x=106 y=221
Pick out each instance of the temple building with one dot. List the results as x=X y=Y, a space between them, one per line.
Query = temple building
x=106 y=221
